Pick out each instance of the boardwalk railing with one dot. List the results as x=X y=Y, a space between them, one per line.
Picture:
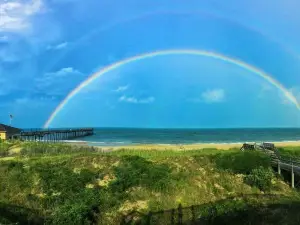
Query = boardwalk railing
x=289 y=164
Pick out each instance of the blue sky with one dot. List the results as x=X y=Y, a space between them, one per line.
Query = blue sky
x=48 y=47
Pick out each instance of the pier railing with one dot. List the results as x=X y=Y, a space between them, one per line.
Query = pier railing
x=53 y=135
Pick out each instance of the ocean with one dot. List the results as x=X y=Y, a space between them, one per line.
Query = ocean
x=133 y=136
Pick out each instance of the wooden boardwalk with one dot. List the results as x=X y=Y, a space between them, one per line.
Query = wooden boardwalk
x=53 y=135
x=281 y=162
x=290 y=165
x=287 y=165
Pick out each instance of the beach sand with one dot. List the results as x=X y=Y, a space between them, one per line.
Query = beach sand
x=221 y=146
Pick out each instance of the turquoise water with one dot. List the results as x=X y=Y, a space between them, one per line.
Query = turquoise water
x=129 y=136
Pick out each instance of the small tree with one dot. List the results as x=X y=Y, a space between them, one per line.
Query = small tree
x=260 y=177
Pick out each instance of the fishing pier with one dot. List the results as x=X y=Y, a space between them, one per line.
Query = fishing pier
x=53 y=135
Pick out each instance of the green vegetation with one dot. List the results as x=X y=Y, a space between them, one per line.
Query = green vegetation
x=4 y=148
x=64 y=184
x=290 y=152
x=261 y=178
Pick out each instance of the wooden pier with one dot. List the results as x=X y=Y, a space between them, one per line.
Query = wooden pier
x=54 y=135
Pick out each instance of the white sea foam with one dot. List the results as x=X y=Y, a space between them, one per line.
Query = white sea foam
x=74 y=141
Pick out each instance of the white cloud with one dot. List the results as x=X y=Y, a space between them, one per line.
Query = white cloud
x=266 y=87
x=294 y=91
x=28 y=100
x=64 y=1
x=57 y=76
x=59 y=82
x=63 y=72
x=136 y=100
x=213 y=96
x=16 y=15
x=22 y=100
x=121 y=88
x=3 y=38
x=58 y=46
x=265 y=90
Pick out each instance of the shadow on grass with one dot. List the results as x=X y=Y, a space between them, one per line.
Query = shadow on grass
x=15 y=214
x=272 y=214
x=235 y=210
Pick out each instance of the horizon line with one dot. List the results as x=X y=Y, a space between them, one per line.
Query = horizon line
x=169 y=128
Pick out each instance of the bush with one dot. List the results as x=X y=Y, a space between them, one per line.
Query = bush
x=136 y=171
x=71 y=214
x=4 y=148
x=242 y=162
x=260 y=177
x=82 y=209
x=59 y=178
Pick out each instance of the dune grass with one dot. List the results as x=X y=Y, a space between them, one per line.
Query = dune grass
x=292 y=152
x=64 y=184
x=4 y=148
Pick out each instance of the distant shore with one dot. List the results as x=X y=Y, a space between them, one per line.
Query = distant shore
x=223 y=146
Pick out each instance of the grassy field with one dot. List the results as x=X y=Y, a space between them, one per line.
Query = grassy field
x=64 y=184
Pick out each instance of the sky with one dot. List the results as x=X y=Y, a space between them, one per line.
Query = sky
x=49 y=47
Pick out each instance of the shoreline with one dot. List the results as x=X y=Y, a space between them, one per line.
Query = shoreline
x=194 y=146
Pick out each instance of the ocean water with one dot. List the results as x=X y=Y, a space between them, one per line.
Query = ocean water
x=132 y=136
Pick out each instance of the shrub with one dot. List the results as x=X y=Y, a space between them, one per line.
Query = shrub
x=4 y=148
x=136 y=171
x=59 y=178
x=82 y=209
x=260 y=177
x=71 y=214
x=241 y=162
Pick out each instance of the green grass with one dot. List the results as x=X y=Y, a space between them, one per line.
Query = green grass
x=292 y=152
x=63 y=184
x=4 y=148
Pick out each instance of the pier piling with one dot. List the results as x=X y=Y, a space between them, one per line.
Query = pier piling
x=293 y=176
x=55 y=135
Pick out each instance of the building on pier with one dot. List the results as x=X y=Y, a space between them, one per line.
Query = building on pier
x=7 y=132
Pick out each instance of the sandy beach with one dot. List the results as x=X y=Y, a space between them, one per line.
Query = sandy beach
x=221 y=146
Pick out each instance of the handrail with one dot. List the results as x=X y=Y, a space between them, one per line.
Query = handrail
x=278 y=157
x=55 y=130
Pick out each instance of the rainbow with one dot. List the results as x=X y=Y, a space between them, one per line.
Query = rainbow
x=136 y=58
